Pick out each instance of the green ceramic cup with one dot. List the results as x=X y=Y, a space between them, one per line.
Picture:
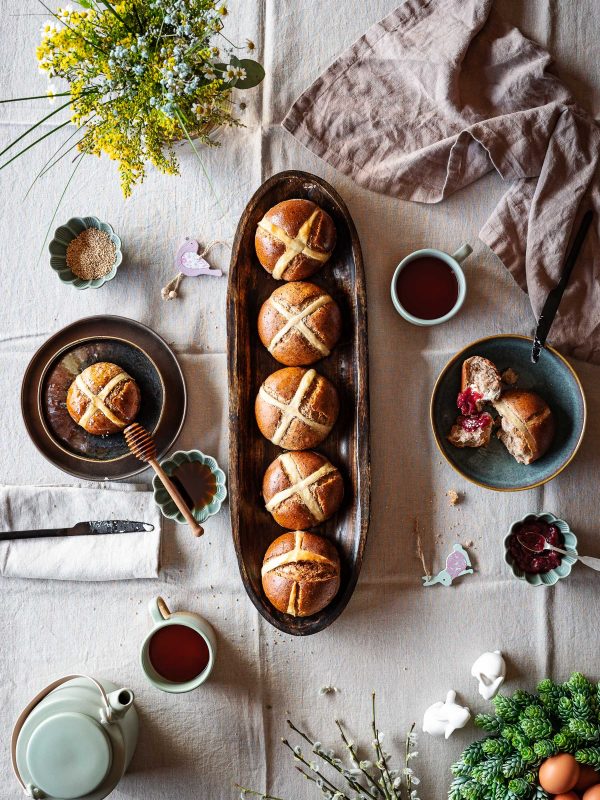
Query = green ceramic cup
x=554 y=575
x=162 y=617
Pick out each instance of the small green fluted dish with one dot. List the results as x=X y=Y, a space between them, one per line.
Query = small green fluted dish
x=555 y=575
x=163 y=499
x=64 y=235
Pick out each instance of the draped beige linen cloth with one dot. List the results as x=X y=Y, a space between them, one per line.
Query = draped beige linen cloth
x=441 y=92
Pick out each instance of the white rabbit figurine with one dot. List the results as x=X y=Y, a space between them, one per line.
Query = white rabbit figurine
x=490 y=671
x=442 y=719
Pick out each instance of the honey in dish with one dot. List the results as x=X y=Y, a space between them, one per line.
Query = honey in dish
x=196 y=483
x=427 y=288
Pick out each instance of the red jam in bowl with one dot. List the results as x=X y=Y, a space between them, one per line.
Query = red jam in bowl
x=535 y=563
x=475 y=421
x=467 y=401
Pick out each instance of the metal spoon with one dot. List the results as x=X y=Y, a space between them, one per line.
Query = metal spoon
x=536 y=543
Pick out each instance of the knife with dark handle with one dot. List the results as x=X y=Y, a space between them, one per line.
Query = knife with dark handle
x=555 y=295
x=81 y=529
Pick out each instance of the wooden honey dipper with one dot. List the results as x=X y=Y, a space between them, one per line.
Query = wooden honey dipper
x=142 y=445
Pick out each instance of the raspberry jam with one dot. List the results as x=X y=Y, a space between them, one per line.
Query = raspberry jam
x=467 y=401
x=475 y=421
x=535 y=563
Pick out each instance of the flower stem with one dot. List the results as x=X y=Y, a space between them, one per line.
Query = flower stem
x=33 y=127
x=60 y=199
x=206 y=175
x=48 y=165
x=107 y=5
x=35 y=97
x=33 y=144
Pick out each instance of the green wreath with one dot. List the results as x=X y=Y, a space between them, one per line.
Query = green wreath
x=525 y=730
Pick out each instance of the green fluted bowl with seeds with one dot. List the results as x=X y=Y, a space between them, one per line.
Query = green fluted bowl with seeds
x=85 y=260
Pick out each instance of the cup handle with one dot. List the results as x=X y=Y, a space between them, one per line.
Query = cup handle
x=159 y=610
x=463 y=252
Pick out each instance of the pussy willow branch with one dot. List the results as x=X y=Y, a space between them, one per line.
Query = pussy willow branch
x=385 y=772
x=354 y=756
x=407 y=760
x=255 y=793
x=355 y=785
x=331 y=786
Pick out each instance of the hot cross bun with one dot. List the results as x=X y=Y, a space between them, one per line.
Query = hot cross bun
x=299 y=323
x=296 y=408
x=294 y=239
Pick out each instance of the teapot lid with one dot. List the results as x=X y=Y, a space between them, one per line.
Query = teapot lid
x=68 y=755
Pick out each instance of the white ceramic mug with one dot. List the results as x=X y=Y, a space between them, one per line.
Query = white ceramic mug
x=454 y=262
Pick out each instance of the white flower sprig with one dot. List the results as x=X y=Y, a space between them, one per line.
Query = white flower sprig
x=362 y=778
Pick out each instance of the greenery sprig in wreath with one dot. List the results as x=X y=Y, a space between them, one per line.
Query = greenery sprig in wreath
x=524 y=730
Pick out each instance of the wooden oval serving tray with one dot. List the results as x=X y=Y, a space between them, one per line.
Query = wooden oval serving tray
x=249 y=363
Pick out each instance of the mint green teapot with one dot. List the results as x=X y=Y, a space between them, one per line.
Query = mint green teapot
x=75 y=739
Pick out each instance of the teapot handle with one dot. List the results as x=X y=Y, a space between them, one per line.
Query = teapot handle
x=30 y=791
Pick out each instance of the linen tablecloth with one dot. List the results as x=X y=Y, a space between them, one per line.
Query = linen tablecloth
x=408 y=643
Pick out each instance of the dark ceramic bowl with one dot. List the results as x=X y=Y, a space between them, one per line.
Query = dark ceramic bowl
x=142 y=354
x=63 y=370
x=552 y=378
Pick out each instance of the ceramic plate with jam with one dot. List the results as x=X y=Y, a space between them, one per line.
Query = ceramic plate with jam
x=552 y=378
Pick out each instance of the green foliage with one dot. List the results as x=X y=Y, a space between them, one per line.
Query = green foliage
x=525 y=730
x=475 y=752
x=579 y=684
x=566 y=741
x=495 y=747
x=506 y=709
x=514 y=767
x=456 y=787
x=536 y=728
x=585 y=731
x=487 y=771
x=520 y=787
x=545 y=748
x=589 y=755
x=488 y=723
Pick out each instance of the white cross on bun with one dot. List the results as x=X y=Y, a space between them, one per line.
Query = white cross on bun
x=299 y=323
x=301 y=573
x=103 y=399
x=302 y=489
x=294 y=239
x=296 y=408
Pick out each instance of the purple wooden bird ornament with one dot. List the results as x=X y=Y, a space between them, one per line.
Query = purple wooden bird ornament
x=189 y=261
x=458 y=564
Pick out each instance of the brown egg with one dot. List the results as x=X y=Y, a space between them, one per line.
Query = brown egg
x=567 y=796
x=559 y=774
x=593 y=793
x=587 y=777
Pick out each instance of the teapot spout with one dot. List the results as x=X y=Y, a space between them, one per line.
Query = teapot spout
x=119 y=701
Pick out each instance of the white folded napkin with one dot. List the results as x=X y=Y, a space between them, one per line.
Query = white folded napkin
x=118 y=556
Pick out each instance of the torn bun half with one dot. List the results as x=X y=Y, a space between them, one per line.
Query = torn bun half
x=480 y=384
x=527 y=425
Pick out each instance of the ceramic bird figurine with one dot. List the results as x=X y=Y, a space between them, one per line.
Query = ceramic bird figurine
x=490 y=671
x=442 y=719
x=458 y=564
